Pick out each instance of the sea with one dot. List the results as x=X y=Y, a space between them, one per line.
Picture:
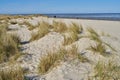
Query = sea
x=96 y=16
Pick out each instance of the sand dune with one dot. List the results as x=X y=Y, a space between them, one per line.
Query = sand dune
x=92 y=47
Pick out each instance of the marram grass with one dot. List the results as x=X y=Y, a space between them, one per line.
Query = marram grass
x=59 y=26
x=51 y=60
x=100 y=46
x=109 y=71
x=12 y=74
x=73 y=31
x=70 y=38
x=8 y=45
x=43 y=29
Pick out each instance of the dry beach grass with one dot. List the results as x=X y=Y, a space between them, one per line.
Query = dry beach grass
x=52 y=60
x=72 y=34
x=8 y=45
x=12 y=74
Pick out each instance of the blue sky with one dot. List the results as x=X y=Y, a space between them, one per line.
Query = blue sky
x=59 y=6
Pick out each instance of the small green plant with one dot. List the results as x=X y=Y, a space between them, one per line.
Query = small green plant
x=108 y=71
x=12 y=74
x=43 y=29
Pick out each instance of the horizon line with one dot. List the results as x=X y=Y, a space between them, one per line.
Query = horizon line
x=59 y=13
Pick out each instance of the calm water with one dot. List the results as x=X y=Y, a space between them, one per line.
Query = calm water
x=98 y=16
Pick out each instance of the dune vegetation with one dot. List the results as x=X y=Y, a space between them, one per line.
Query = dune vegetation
x=100 y=46
x=43 y=29
x=8 y=45
x=12 y=74
x=109 y=71
x=70 y=35
x=52 y=60
x=59 y=26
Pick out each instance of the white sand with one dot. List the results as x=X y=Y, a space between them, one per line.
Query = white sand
x=37 y=48
x=108 y=27
x=111 y=27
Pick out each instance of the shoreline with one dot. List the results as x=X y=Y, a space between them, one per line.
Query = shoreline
x=69 y=17
x=85 y=18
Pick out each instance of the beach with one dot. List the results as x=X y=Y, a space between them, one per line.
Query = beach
x=111 y=27
x=60 y=48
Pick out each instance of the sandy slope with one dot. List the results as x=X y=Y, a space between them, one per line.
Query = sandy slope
x=108 y=27
x=111 y=27
x=37 y=48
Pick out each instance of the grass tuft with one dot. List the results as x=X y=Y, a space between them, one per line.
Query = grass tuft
x=70 y=38
x=98 y=48
x=73 y=53
x=12 y=74
x=76 y=28
x=93 y=35
x=92 y=31
x=8 y=45
x=16 y=39
x=72 y=34
x=51 y=60
x=59 y=27
x=43 y=29
x=108 y=71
